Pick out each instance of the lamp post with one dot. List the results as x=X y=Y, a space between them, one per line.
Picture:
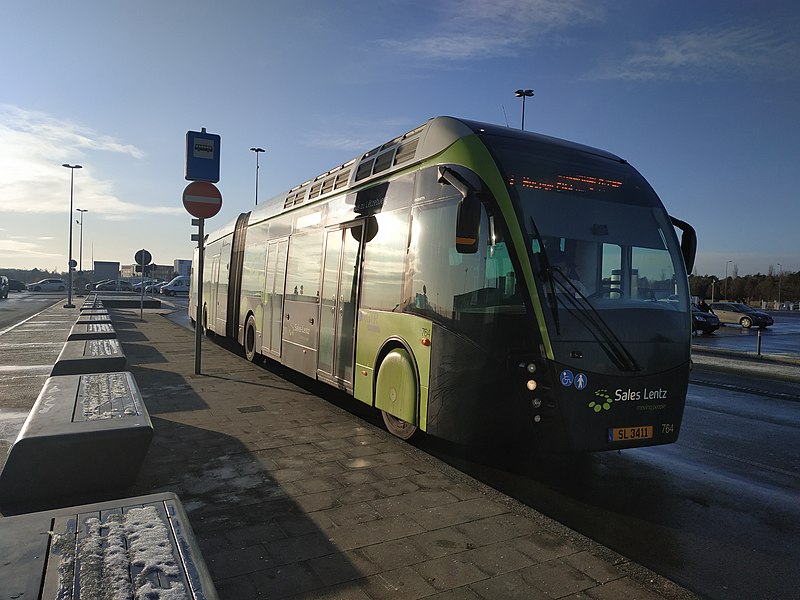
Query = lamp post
x=71 y=168
x=726 y=278
x=780 y=276
x=523 y=94
x=257 y=151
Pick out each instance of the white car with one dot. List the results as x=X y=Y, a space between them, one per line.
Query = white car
x=179 y=285
x=48 y=285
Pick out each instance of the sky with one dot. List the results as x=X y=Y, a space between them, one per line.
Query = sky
x=702 y=97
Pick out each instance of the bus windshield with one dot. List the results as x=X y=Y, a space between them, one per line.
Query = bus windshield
x=599 y=241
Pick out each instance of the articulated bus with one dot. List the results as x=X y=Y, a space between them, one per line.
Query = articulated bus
x=469 y=281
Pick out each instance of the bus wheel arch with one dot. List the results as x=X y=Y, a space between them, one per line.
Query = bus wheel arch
x=249 y=340
x=396 y=392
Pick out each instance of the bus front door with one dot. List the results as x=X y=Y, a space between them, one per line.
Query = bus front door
x=339 y=299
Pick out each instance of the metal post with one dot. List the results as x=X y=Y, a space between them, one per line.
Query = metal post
x=72 y=168
x=80 y=253
x=758 y=346
x=726 y=279
x=199 y=308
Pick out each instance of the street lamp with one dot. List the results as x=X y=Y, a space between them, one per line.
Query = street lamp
x=523 y=94
x=780 y=275
x=80 y=246
x=726 y=278
x=257 y=151
x=71 y=168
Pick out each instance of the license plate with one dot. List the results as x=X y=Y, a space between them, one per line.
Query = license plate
x=629 y=434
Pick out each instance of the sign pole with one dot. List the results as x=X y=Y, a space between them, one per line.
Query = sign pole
x=142 y=258
x=202 y=200
x=199 y=308
x=141 y=300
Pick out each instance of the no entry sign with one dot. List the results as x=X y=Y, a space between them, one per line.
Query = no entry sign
x=202 y=199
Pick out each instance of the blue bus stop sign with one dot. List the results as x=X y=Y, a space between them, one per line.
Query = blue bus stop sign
x=202 y=156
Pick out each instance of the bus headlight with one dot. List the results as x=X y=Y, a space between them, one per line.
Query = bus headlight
x=537 y=418
x=531 y=385
x=536 y=403
x=531 y=368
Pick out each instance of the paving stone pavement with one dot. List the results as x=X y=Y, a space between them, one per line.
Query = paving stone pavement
x=290 y=496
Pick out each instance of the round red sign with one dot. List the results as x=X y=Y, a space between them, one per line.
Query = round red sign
x=202 y=199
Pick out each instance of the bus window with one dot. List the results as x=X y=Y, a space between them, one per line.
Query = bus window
x=384 y=262
x=468 y=291
x=304 y=266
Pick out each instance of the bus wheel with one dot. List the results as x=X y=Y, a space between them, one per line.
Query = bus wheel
x=250 y=339
x=398 y=427
x=396 y=393
x=206 y=330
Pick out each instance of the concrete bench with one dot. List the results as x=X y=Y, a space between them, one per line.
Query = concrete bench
x=89 y=356
x=92 y=302
x=85 y=433
x=86 y=312
x=93 y=316
x=92 y=331
x=141 y=547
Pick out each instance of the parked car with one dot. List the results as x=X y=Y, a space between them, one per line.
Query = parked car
x=179 y=285
x=113 y=286
x=137 y=287
x=740 y=314
x=704 y=322
x=93 y=286
x=15 y=285
x=154 y=287
x=3 y=286
x=48 y=285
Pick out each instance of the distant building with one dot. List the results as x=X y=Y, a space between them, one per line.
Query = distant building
x=105 y=269
x=183 y=266
x=161 y=272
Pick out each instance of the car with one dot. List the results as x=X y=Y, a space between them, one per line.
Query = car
x=740 y=314
x=148 y=285
x=114 y=286
x=704 y=322
x=154 y=287
x=179 y=285
x=3 y=286
x=93 y=286
x=15 y=285
x=48 y=285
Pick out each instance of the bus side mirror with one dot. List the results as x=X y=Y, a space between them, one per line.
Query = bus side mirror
x=468 y=219
x=468 y=224
x=688 y=243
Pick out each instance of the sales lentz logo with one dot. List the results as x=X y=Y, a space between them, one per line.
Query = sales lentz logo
x=604 y=400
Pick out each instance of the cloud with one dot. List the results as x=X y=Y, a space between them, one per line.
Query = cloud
x=33 y=145
x=753 y=50
x=476 y=29
x=13 y=247
x=355 y=135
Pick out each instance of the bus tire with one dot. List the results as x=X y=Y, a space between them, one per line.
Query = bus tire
x=250 y=339
x=396 y=393
x=206 y=330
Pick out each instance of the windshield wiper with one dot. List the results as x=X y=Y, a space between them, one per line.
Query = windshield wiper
x=546 y=270
x=587 y=314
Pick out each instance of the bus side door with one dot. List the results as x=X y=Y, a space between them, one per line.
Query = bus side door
x=339 y=302
x=273 y=305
